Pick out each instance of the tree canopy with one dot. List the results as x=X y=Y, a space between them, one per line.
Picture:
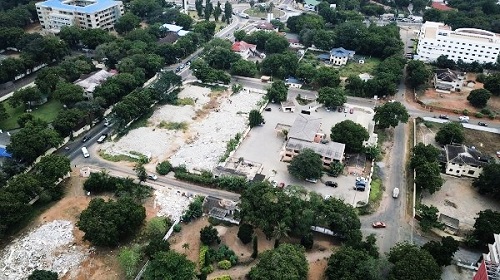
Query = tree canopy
x=390 y=115
x=487 y=223
x=43 y=275
x=442 y=251
x=306 y=165
x=417 y=73
x=277 y=92
x=487 y=182
x=450 y=133
x=255 y=118
x=331 y=97
x=351 y=134
x=412 y=263
x=479 y=97
x=170 y=265
x=351 y=263
x=285 y=262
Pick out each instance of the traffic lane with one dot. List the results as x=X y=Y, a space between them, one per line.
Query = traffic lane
x=73 y=149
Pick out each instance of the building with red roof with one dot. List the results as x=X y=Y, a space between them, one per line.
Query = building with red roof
x=244 y=49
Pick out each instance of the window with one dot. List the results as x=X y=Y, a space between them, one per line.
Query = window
x=471 y=172
x=450 y=170
x=458 y=171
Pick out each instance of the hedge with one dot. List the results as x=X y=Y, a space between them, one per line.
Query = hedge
x=222 y=277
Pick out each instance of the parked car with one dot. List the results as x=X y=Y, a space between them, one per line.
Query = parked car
x=345 y=110
x=267 y=109
x=340 y=109
x=102 y=138
x=498 y=154
x=152 y=177
x=378 y=225
x=360 y=188
x=331 y=184
x=351 y=111
x=444 y=117
x=85 y=138
x=482 y=124
x=314 y=181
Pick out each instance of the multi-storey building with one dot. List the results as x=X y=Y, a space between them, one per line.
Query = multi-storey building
x=489 y=268
x=468 y=44
x=86 y=14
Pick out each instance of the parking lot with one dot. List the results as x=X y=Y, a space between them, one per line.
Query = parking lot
x=264 y=144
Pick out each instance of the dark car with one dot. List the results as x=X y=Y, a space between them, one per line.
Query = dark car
x=360 y=188
x=267 y=109
x=85 y=138
x=331 y=184
x=482 y=124
x=340 y=109
x=444 y=117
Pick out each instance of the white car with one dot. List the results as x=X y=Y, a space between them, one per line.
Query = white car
x=314 y=181
x=152 y=177
x=395 y=193
x=464 y=119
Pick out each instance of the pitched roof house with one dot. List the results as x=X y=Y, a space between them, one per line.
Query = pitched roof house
x=340 y=56
x=446 y=80
x=266 y=26
x=461 y=160
x=244 y=49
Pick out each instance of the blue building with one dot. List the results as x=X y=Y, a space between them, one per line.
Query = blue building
x=340 y=56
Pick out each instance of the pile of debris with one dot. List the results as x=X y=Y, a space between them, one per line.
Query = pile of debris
x=49 y=247
x=172 y=203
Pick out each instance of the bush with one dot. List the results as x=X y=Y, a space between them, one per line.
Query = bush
x=156 y=227
x=480 y=78
x=222 y=277
x=225 y=264
x=157 y=244
x=129 y=259
x=209 y=235
x=491 y=116
x=486 y=111
x=220 y=254
x=245 y=233
x=207 y=269
x=456 y=111
x=203 y=255
x=307 y=241
x=465 y=112
x=478 y=115
x=164 y=167
x=177 y=228
x=195 y=209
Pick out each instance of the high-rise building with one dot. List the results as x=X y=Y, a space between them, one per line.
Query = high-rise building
x=86 y=14
x=468 y=44
x=489 y=269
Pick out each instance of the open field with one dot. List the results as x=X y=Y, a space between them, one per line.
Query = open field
x=46 y=112
x=354 y=68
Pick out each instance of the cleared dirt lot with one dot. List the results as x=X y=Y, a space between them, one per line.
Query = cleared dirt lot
x=264 y=145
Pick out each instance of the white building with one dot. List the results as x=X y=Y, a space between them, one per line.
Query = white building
x=460 y=160
x=468 y=44
x=86 y=14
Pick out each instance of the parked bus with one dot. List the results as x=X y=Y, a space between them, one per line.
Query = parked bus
x=85 y=152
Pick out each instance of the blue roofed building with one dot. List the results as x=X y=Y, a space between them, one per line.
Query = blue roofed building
x=310 y=5
x=340 y=56
x=293 y=82
x=86 y=14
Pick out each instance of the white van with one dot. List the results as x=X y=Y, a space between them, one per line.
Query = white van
x=395 y=193
x=85 y=152
x=463 y=119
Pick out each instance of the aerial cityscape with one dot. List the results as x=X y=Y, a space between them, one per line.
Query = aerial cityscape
x=250 y=139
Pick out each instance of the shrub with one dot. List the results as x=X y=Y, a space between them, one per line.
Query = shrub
x=156 y=227
x=222 y=277
x=491 y=116
x=465 y=112
x=486 y=111
x=307 y=241
x=220 y=254
x=478 y=115
x=177 y=228
x=255 y=246
x=225 y=264
x=163 y=167
x=207 y=269
x=480 y=78
x=203 y=255
x=456 y=111
x=209 y=235
x=195 y=209
x=245 y=233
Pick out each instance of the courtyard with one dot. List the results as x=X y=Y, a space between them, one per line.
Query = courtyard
x=264 y=144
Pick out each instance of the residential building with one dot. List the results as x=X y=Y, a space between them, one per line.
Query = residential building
x=305 y=133
x=489 y=269
x=287 y=106
x=468 y=44
x=266 y=26
x=91 y=82
x=310 y=5
x=460 y=160
x=440 y=6
x=294 y=43
x=340 y=56
x=244 y=49
x=86 y=14
x=447 y=81
x=172 y=28
x=293 y=82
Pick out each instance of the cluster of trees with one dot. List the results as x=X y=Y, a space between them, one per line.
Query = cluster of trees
x=483 y=14
x=16 y=194
x=390 y=115
x=487 y=223
x=424 y=160
x=417 y=73
x=284 y=262
x=351 y=134
x=279 y=213
x=17 y=13
x=487 y=182
x=450 y=133
x=208 y=10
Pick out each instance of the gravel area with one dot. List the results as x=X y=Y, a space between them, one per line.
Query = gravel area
x=171 y=203
x=205 y=140
x=48 y=247
x=215 y=131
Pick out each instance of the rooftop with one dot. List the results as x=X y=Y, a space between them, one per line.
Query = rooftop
x=332 y=150
x=440 y=6
x=446 y=75
x=461 y=154
x=293 y=80
x=341 y=52
x=242 y=46
x=91 y=82
x=82 y=6
x=305 y=128
x=171 y=27
x=265 y=25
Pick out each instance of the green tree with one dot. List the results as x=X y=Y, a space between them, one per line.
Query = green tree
x=255 y=118
x=276 y=44
x=487 y=182
x=244 y=68
x=412 y=263
x=442 y=251
x=221 y=58
x=106 y=223
x=255 y=247
x=428 y=217
x=479 y=97
x=487 y=223
x=239 y=35
x=126 y=23
x=450 y=133
x=217 y=11
x=492 y=83
x=336 y=168
x=228 y=12
x=285 y=262
x=3 y=113
x=422 y=154
x=71 y=35
x=27 y=95
x=331 y=97
x=209 y=235
x=184 y=20
x=170 y=265
x=306 y=72
x=67 y=120
x=68 y=93
x=350 y=263
x=141 y=173
x=428 y=177
x=51 y=168
x=155 y=245
x=209 y=8
x=351 y=134
x=280 y=230
x=280 y=64
x=130 y=259
x=417 y=73
x=24 y=119
x=156 y=227
x=306 y=165
x=277 y=92
x=245 y=233
x=47 y=79
x=355 y=86
x=43 y=275
x=164 y=167
x=326 y=77
x=390 y=115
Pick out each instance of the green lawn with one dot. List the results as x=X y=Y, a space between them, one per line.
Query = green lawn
x=376 y=191
x=46 y=112
x=354 y=68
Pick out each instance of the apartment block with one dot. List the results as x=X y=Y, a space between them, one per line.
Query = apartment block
x=86 y=14
x=468 y=44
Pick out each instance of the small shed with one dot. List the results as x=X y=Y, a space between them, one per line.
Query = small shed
x=288 y=106
x=451 y=224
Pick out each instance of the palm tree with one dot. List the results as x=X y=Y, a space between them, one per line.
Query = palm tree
x=185 y=246
x=280 y=230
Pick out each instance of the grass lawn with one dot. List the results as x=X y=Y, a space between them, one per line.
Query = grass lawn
x=46 y=112
x=376 y=191
x=256 y=12
x=354 y=68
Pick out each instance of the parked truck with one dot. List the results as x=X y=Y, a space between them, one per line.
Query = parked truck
x=265 y=79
